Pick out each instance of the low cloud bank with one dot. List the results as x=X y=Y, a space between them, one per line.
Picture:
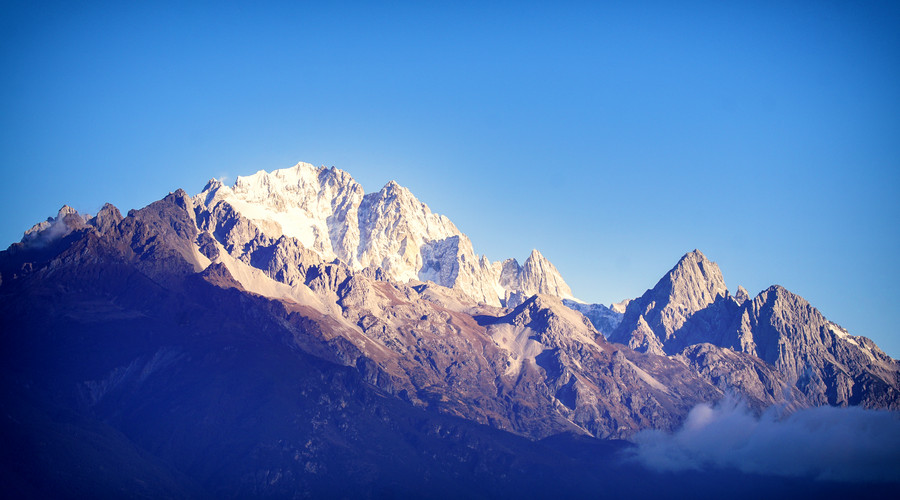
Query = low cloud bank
x=839 y=444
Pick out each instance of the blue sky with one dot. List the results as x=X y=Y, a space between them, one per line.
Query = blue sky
x=614 y=137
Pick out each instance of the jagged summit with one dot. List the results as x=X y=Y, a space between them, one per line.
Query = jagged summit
x=392 y=192
x=328 y=213
x=652 y=320
x=67 y=220
x=539 y=275
x=690 y=314
x=66 y=210
x=212 y=184
x=694 y=282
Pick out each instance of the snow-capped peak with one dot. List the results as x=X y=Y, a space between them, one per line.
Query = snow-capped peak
x=326 y=210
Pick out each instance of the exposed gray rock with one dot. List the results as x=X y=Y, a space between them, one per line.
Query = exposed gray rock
x=537 y=275
x=773 y=349
x=44 y=233
x=744 y=375
x=826 y=363
x=107 y=218
x=643 y=339
x=620 y=307
x=285 y=260
x=691 y=286
x=604 y=319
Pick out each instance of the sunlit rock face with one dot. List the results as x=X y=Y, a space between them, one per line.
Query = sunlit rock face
x=830 y=366
x=773 y=349
x=328 y=213
x=655 y=321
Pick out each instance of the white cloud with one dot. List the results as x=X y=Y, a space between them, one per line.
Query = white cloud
x=841 y=444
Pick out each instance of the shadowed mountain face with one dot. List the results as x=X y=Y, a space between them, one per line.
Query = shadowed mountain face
x=535 y=370
x=125 y=351
x=178 y=383
x=657 y=321
x=187 y=350
x=775 y=348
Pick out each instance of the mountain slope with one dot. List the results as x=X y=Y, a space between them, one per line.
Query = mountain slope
x=202 y=344
x=807 y=360
x=535 y=370
x=195 y=393
x=655 y=322
x=326 y=211
x=121 y=356
x=816 y=355
x=604 y=319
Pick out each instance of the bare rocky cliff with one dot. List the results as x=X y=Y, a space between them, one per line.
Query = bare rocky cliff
x=823 y=360
x=655 y=322
x=390 y=230
x=773 y=349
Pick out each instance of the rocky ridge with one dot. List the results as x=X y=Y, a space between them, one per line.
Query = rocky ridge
x=224 y=320
x=773 y=349
x=390 y=231
x=538 y=369
x=605 y=319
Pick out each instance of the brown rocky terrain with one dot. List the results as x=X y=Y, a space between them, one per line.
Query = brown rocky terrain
x=205 y=355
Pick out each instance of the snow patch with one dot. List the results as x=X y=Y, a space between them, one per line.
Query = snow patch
x=846 y=337
x=328 y=213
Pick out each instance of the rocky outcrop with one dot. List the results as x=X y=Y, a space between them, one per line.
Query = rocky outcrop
x=106 y=219
x=537 y=370
x=537 y=275
x=743 y=375
x=823 y=360
x=773 y=349
x=694 y=284
x=43 y=233
x=555 y=354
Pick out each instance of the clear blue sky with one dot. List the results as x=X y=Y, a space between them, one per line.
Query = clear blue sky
x=614 y=137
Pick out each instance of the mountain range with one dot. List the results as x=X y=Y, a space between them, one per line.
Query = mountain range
x=291 y=335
